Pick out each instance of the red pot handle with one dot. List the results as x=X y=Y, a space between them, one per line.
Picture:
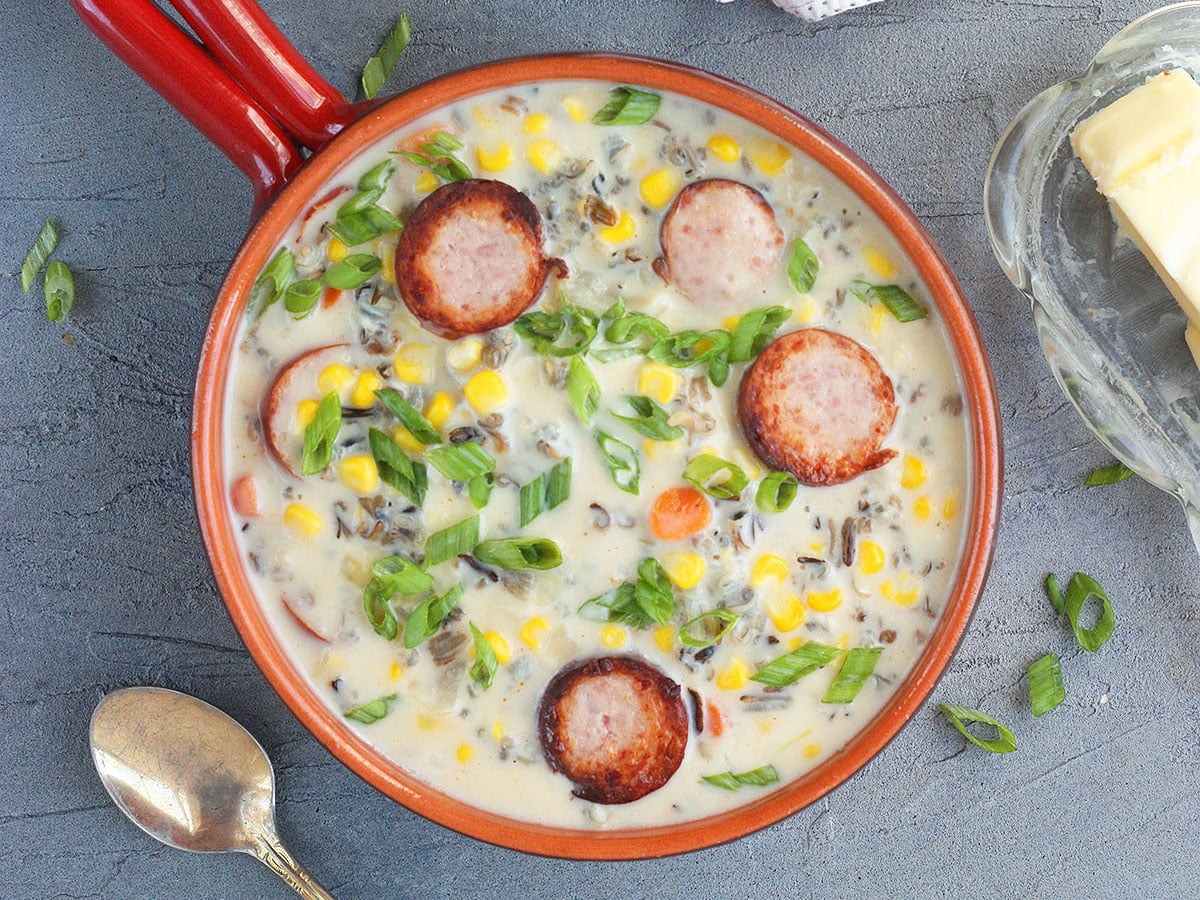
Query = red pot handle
x=254 y=51
x=188 y=78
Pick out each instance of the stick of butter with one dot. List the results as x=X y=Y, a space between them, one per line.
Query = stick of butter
x=1144 y=152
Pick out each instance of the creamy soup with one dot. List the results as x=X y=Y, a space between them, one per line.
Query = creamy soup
x=709 y=591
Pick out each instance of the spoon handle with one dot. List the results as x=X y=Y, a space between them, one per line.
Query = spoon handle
x=275 y=855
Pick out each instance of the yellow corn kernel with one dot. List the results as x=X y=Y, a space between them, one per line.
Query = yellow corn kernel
x=464 y=752
x=405 y=439
x=387 y=268
x=622 y=231
x=876 y=318
x=879 y=262
x=730 y=322
x=396 y=671
x=494 y=160
x=659 y=187
x=898 y=595
x=665 y=638
x=658 y=382
x=704 y=345
x=531 y=632
x=685 y=569
x=544 y=155
x=612 y=636
x=337 y=250
x=365 y=387
x=766 y=567
x=499 y=646
x=816 y=547
x=659 y=449
x=334 y=378
x=301 y=519
x=439 y=409
x=786 y=612
x=359 y=473
x=844 y=641
x=575 y=109
x=914 y=473
x=427 y=723
x=486 y=391
x=734 y=677
x=871 y=557
x=812 y=751
x=922 y=508
x=805 y=310
x=498 y=730
x=426 y=182
x=795 y=644
x=769 y=156
x=465 y=354
x=825 y=601
x=413 y=363
x=724 y=148
x=306 y=411
x=536 y=123
x=948 y=508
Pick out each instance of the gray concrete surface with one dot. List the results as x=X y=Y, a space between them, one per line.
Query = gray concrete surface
x=104 y=583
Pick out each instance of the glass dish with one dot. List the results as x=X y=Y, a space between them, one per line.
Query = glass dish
x=1111 y=331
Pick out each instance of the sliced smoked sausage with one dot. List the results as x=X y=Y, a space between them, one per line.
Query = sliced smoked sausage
x=817 y=404
x=470 y=258
x=615 y=725
x=720 y=241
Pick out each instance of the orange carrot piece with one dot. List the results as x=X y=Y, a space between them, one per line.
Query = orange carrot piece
x=330 y=296
x=712 y=719
x=679 y=512
x=244 y=495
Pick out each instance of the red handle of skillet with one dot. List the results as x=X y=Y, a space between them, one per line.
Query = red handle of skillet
x=188 y=78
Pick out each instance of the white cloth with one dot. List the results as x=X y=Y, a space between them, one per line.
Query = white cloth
x=815 y=10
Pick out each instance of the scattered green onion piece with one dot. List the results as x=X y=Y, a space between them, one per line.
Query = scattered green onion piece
x=897 y=300
x=519 y=553
x=39 y=253
x=355 y=270
x=802 y=267
x=622 y=462
x=272 y=281
x=396 y=469
x=720 y=619
x=379 y=612
x=1004 y=742
x=479 y=489
x=791 y=667
x=546 y=491
x=582 y=390
x=568 y=332
x=377 y=179
x=714 y=476
x=437 y=155
x=1046 y=690
x=380 y=66
x=59 y=290
x=627 y=106
x=679 y=350
x=651 y=420
x=759 y=777
x=459 y=538
x=1080 y=589
x=424 y=621
x=1054 y=592
x=320 y=434
x=558 y=483
x=532 y=494
x=856 y=669
x=1109 y=474
x=301 y=297
x=652 y=591
x=776 y=492
x=630 y=326
x=483 y=670
x=617 y=605
x=461 y=462
x=370 y=712
x=418 y=426
x=753 y=331
x=391 y=575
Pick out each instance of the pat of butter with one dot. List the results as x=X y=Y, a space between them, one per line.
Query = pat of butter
x=1144 y=152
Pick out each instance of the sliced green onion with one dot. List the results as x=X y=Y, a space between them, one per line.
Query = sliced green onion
x=791 y=667
x=377 y=179
x=716 y=477
x=622 y=462
x=558 y=483
x=546 y=491
x=651 y=420
x=424 y=621
x=759 y=777
x=1080 y=589
x=418 y=426
x=380 y=66
x=776 y=492
x=59 y=290
x=355 y=270
x=391 y=575
x=1004 y=742
x=272 y=281
x=652 y=591
x=897 y=300
x=802 y=267
x=627 y=106
x=361 y=218
x=483 y=670
x=437 y=155
x=1054 y=592
x=627 y=327
x=379 y=612
x=459 y=538
x=712 y=626
x=320 y=434
x=568 y=332
x=301 y=297
x=396 y=469
x=753 y=331
x=582 y=390
x=617 y=605
x=856 y=669
x=532 y=495
x=39 y=253
x=1046 y=690
x=1109 y=474
x=370 y=712
x=519 y=553
x=461 y=462
x=479 y=489
x=689 y=348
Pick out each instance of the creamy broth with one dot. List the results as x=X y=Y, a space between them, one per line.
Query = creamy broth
x=867 y=563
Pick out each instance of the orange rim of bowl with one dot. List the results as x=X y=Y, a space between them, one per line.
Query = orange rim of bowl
x=218 y=529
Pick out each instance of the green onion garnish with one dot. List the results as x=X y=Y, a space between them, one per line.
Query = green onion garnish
x=361 y=218
x=380 y=66
x=648 y=600
x=59 y=290
x=418 y=426
x=903 y=307
x=320 y=434
x=370 y=712
x=546 y=491
x=711 y=627
x=1109 y=474
x=1054 y=592
x=759 y=777
x=753 y=331
x=391 y=575
x=459 y=538
x=1004 y=742
x=353 y=271
x=791 y=667
x=802 y=267
x=856 y=669
x=651 y=420
x=776 y=492
x=582 y=390
x=427 y=618
x=43 y=246
x=568 y=332
x=714 y=476
x=622 y=462
x=1046 y=689
x=461 y=462
x=396 y=469
x=690 y=348
x=272 y=281
x=483 y=670
x=301 y=297
x=519 y=553
x=627 y=106
x=479 y=489
x=625 y=327
x=1080 y=589
x=437 y=155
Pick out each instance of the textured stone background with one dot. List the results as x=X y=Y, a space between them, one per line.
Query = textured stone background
x=104 y=583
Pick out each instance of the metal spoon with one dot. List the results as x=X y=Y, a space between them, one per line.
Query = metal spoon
x=190 y=776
